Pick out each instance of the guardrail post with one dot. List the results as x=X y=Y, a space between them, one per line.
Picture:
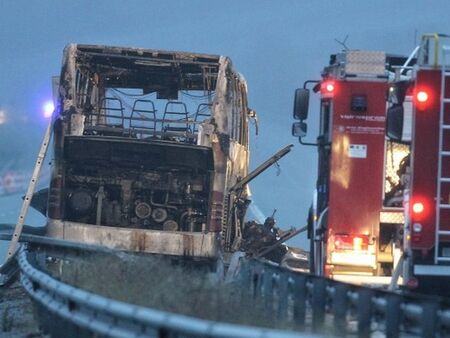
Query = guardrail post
x=392 y=316
x=364 y=312
x=283 y=295
x=429 y=316
x=300 y=293
x=340 y=305
x=40 y=259
x=319 y=297
x=256 y=281
x=268 y=291
x=164 y=333
x=244 y=278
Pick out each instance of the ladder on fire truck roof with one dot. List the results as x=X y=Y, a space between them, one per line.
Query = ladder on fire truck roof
x=444 y=127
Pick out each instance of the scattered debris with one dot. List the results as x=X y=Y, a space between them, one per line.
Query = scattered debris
x=17 y=314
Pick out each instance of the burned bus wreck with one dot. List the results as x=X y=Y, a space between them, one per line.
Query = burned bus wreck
x=147 y=144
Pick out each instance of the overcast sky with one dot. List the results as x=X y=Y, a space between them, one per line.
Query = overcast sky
x=276 y=45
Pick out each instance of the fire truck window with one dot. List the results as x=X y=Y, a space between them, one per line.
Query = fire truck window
x=396 y=171
x=359 y=103
x=325 y=109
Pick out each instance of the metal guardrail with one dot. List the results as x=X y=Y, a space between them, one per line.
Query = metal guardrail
x=91 y=314
x=305 y=302
x=335 y=308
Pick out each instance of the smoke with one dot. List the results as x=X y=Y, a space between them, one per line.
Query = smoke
x=256 y=213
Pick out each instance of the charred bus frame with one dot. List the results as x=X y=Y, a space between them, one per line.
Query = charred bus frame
x=138 y=167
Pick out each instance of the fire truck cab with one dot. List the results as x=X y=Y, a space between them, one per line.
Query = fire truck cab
x=355 y=221
x=427 y=197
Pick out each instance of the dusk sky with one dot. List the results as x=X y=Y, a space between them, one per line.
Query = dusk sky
x=276 y=45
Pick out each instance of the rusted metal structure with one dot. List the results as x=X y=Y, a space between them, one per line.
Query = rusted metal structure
x=146 y=145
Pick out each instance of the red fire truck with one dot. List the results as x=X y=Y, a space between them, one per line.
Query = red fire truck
x=427 y=197
x=356 y=217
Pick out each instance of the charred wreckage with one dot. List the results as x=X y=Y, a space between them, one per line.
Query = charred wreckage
x=151 y=152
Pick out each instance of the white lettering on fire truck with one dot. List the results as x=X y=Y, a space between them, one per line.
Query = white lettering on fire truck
x=369 y=118
x=362 y=130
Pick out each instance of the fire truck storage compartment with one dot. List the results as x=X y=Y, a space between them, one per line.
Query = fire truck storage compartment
x=357 y=154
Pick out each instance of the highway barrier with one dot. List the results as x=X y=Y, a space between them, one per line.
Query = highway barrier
x=340 y=309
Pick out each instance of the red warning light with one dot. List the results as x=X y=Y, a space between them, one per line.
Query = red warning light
x=422 y=96
x=412 y=283
x=327 y=87
x=418 y=208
